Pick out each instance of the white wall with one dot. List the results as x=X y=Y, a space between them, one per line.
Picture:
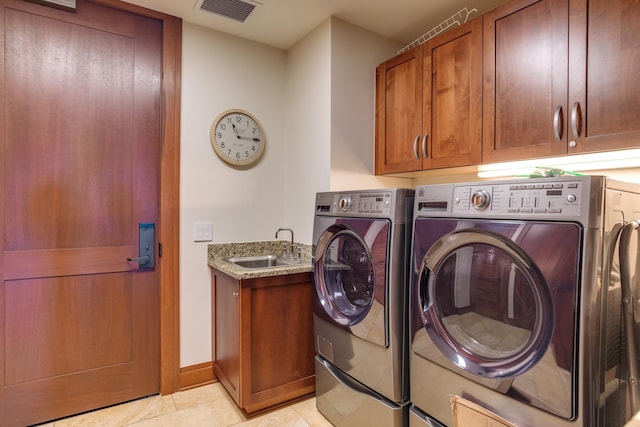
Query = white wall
x=221 y=72
x=308 y=125
x=355 y=53
x=316 y=103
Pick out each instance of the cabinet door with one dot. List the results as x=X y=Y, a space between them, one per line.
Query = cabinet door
x=399 y=113
x=525 y=63
x=453 y=97
x=227 y=332
x=604 y=92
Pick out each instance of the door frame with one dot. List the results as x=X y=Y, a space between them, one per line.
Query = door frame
x=169 y=222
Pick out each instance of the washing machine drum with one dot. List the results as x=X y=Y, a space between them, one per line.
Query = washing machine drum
x=487 y=330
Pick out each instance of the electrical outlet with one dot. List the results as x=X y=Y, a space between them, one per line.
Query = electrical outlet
x=202 y=232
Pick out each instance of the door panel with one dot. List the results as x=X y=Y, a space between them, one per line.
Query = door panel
x=604 y=89
x=525 y=80
x=80 y=151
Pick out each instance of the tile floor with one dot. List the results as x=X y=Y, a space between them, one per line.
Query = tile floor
x=208 y=405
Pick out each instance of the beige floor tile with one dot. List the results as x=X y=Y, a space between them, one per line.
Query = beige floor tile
x=196 y=396
x=285 y=417
x=218 y=413
x=307 y=410
x=121 y=415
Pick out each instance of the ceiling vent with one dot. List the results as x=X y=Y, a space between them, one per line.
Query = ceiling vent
x=234 y=9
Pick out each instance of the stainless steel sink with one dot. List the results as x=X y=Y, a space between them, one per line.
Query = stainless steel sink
x=262 y=261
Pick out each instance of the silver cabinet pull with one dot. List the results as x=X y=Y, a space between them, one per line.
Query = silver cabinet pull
x=415 y=147
x=424 y=145
x=557 y=131
x=575 y=116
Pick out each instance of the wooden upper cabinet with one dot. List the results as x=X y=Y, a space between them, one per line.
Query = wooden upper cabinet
x=399 y=113
x=429 y=104
x=561 y=78
x=452 y=121
x=525 y=80
x=604 y=95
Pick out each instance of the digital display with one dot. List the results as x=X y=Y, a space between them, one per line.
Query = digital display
x=554 y=192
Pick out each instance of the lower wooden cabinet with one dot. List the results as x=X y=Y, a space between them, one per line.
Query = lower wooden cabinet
x=263 y=338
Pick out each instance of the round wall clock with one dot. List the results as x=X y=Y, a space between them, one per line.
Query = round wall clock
x=237 y=137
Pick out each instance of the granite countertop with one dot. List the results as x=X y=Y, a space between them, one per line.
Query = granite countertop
x=217 y=253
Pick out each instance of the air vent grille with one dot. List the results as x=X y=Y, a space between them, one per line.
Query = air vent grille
x=234 y=9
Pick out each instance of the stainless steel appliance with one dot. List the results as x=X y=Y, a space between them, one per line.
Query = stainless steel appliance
x=518 y=294
x=360 y=254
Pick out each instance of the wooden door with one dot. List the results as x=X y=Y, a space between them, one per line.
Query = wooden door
x=453 y=97
x=80 y=152
x=525 y=67
x=399 y=113
x=604 y=97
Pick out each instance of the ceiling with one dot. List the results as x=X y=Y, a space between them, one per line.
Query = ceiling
x=281 y=23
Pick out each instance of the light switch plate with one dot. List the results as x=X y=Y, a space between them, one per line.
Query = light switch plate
x=202 y=232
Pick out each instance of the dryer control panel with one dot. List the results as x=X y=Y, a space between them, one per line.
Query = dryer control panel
x=562 y=198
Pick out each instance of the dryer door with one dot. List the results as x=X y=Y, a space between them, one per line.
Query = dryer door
x=349 y=272
x=488 y=328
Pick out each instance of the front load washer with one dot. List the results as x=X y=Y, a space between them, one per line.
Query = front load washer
x=517 y=291
x=360 y=256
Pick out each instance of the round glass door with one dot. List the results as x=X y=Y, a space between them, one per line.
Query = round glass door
x=485 y=303
x=344 y=275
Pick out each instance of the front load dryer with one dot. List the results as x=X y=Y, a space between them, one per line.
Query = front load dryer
x=518 y=291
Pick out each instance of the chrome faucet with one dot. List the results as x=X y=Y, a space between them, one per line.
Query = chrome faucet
x=291 y=231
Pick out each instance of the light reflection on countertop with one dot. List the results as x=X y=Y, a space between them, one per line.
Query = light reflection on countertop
x=217 y=253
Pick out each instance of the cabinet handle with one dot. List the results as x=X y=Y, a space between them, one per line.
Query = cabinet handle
x=557 y=130
x=415 y=147
x=424 y=145
x=575 y=116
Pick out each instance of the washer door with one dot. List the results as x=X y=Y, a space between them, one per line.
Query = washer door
x=349 y=276
x=485 y=303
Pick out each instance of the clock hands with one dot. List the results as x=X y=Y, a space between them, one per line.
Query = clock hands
x=235 y=130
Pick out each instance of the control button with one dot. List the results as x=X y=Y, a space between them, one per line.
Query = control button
x=525 y=210
x=539 y=210
x=522 y=187
x=557 y=185
x=513 y=187
x=530 y=186
x=512 y=210
x=539 y=186
x=572 y=185
x=480 y=199
x=345 y=203
x=548 y=186
x=571 y=198
x=553 y=210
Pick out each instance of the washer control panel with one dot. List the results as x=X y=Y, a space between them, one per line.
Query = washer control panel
x=557 y=198
x=364 y=203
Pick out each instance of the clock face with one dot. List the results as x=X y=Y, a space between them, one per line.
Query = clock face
x=237 y=137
